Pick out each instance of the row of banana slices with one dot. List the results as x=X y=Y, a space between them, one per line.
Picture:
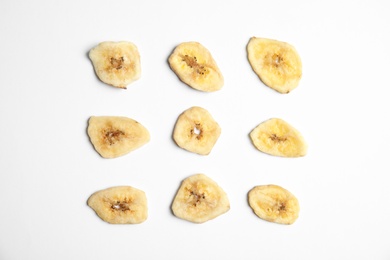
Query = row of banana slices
x=195 y=131
x=199 y=199
x=277 y=64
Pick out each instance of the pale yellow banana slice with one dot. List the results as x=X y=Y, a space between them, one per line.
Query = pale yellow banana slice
x=200 y=199
x=196 y=131
x=278 y=64
x=195 y=66
x=277 y=137
x=114 y=136
x=120 y=205
x=274 y=203
x=116 y=63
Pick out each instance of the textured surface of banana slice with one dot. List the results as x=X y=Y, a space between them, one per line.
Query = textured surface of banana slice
x=114 y=136
x=195 y=66
x=200 y=199
x=277 y=137
x=116 y=63
x=274 y=203
x=120 y=205
x=196 y=131
x=278 y=64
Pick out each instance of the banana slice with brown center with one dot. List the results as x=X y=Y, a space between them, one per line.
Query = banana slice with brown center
x=195 y=66
x=116 y=63
x=196 y=131
x=276 y=137
x=120 y=205
x=114 y=136
x=278 y=64
x=200 y=199
x=274 y=203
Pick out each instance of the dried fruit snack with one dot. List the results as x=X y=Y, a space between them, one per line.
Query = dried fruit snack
x=278 y=64
x=114 y=136
x=274 y=203
x=116 y=63
x=120 y=205
x=200 y=199
x=276 y=137
x=196 y=131
x=195 y=66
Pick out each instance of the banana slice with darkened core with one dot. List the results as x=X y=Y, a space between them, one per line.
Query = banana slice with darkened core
x=114 y=136
x=200 y=199
x=116 y=63
x=196 y=131
x=274 y=203
x=278 y=64
x=120 y=205
x=195 y=66
x=277 y=137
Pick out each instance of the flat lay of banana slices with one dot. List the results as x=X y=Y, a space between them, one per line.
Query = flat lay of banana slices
x=277 y=63
x=200 y=199
x=116 y=63
x=277 y=137
x=195 y=66
x=120 y=205
x=274 y=203
x=114 y=136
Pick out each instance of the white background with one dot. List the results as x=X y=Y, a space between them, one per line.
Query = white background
x=48 y=167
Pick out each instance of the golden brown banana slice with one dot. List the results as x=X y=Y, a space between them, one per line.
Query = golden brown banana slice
x=120 y=205
x=195 y=66
x=277 y=137
x=196 y=131
x=114 y=136
x=116 y=63
x=276 y=63
x=200 y=199
x=274 y=203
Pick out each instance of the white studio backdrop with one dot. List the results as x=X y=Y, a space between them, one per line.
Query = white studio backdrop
x=48 y=167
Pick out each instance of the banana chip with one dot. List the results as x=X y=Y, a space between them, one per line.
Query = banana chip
x=116 y=63
x=277 y=63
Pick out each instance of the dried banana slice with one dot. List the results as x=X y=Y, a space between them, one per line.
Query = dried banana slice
x=195 y=66
x=114 y=136
x=116 y=63
x=277 y=137
x=276 y=63
x=196 y=131
x=274 y=203
x=200 y=199
x=120 y=205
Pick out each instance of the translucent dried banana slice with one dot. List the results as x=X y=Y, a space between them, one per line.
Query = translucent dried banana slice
x=200 y=199
x=114 y=136
x=120 y=205
x=196 y=131
x=195 y=66
x=274 y=203
x=277 y=137
x=116 y=63
x=278 y=64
